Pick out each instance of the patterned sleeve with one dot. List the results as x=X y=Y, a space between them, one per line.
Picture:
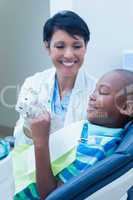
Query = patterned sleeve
x=21 y=130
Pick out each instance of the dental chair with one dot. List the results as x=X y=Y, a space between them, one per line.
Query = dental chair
x=109 y=179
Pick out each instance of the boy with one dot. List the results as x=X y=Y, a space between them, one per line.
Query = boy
x=110 y=108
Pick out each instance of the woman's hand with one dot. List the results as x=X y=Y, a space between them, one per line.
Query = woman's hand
x=40 y=127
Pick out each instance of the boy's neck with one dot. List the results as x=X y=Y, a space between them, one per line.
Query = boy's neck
x=116 y=124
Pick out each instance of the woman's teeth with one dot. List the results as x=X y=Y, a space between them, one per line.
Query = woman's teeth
x=68 y=64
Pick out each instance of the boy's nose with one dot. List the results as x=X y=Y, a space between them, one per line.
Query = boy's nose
x=92 y=96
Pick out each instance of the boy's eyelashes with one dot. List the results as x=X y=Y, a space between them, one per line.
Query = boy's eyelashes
x=104 y=90
x=101 y=92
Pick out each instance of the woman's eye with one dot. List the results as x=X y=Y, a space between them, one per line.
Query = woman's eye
x=77 y=47
x=60 y=47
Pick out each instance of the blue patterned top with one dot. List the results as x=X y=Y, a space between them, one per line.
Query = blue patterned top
x=59 y=106
x=96 y=143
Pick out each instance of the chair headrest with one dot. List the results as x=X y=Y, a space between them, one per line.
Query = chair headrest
x=126 y=146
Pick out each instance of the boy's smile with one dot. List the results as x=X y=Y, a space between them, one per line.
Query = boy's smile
x=102 y=109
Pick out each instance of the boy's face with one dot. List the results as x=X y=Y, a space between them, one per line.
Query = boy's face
x=102 y=109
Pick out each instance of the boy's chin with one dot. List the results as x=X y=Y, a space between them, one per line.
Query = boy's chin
x=102 y=122
x=97 y=121
x=93 y=120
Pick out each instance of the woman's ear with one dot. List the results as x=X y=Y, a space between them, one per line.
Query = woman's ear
x=46 y=45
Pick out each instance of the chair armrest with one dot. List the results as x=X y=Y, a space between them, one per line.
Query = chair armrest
x=88 y=180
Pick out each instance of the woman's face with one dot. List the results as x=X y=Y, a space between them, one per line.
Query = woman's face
x=67 y=53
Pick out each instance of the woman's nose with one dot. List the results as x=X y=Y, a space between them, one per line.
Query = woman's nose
x=68 y=53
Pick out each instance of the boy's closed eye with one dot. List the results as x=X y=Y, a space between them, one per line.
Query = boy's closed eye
x=104 y=90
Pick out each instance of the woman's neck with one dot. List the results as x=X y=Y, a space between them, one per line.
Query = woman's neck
x=66 y=84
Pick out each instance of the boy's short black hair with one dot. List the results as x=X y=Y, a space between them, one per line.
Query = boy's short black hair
x=67 y=21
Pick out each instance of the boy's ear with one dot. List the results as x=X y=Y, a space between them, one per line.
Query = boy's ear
x=121 y=103
x=124 y=101
x=126 y=108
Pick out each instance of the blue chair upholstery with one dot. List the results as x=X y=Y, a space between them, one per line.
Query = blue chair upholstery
x=100 y=175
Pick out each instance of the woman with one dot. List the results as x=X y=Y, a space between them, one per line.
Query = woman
x=61 y=89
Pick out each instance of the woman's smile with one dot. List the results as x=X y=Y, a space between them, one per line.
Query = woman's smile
x=67 y=52
x=68 y=63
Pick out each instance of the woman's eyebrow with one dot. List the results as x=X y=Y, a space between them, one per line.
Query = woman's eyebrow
x=59 y=42
x=78 y=42
x=56 y=43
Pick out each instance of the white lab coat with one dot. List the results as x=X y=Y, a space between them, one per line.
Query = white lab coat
x=43 y=84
